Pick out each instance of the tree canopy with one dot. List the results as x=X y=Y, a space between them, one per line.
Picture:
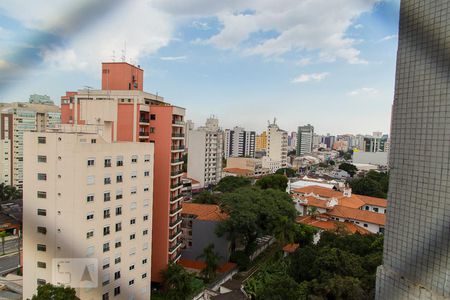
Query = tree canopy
x=178 y=284
x=9 y=193
x=273 y=181
x=49 y=291
x=349 y=168
x=289 y=172
x=375 y=184
x=232 y=183
x=211 y=259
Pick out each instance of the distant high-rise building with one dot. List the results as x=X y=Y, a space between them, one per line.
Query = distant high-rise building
x=205 y=153
x=40 y=99
x=292 y=141
x=239 y=143
x=305 y=139
x=328 y=140
x=189 y=125
x=261 y=142
x=416 y=258
x=375 y=143
x=15 y=119
x=276 y=148
x=138 y=116
x=87 y=197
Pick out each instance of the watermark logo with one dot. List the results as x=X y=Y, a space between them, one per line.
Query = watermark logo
x=75 y=272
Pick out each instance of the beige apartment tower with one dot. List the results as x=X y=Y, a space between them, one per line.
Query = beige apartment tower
x=87 y=197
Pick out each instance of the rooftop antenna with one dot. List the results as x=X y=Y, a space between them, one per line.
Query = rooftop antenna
x=124 y=51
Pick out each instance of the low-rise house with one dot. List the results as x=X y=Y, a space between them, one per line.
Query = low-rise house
x=199 y=230
x=328 y=205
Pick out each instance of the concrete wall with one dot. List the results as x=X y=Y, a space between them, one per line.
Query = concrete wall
x=373 y=158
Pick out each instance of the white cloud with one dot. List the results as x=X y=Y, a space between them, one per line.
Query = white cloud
x=200 y=25
x=172 y=58
x=388 y=37
x=358 y=26
x=310 y=77
x=304 y=61
x=363 y=91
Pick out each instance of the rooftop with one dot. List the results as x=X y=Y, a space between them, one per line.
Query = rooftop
x=330 y=224
x=205 y=212
x=358 y=214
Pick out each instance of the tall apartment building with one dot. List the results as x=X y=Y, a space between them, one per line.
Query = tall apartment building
x=239 y=143
x=138 y=116
x=261 y=142
x=188 y=126
x=416 y=258
x=87 y=197
x=305 y=139
x=292 y=141
x=15 y=119
x=375 y=143
x=205 y=153
x=276 y=148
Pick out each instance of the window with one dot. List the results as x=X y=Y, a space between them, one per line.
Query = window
x=107 y=180
x=119 y=161
x=41 y=281
x=106 y=196
x=42 y=176
x=133 y=191
x=41 y=195
x=131 y=267
x=119 y=195
x=134 y=159
x=107 y=162
x=132 y=251
x=144 y=275
x=367 y=207
x=90 y=216
x=90 y=234
x=42 y=158
x=106 y=263
x=116 y=290
x=90 y=198
x=105 y=279
x=118 y=244
x=145 y=232
x=90 y=179
x=144 y=261
x=118 y=210
x=106 y=230
x=146 y=188
x=133 y=205
x=117 y=260
x=42 y=140
x=131 y=282
x=41 y=264
x=132 y=236
x=105 y=247
x=147 y=158
x=116 y=275
x=365 y=225
x=375 y=209
x=41 y=247
x=133 y=175
x=118 y=226
x=106 y=213
x=41 y=212
x=119 y=178
x=91 y=162
x=42 y=230
x=152 y=117
x=145 y=218
x=93 y=141
x=152 y=130
x=146 y=173
x=105 y=296
x=133 y=221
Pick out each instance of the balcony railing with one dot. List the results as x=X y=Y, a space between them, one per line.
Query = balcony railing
x=175 y=246
x=176 y=160
x=174 y=234
x=177 y=147
x=177 y=122
x=143 y=133
x=175 y=210
x=177 y=134
x=143 y=120
x=176 y=185
x=175 y=173
x=177 y=197
x=175 y=222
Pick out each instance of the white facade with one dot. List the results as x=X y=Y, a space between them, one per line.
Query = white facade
x=239 y=143
x=276 y=147
x=85 y=197
x=5 y=158
x=305 y=139
x=372 y=158
x=205 y=153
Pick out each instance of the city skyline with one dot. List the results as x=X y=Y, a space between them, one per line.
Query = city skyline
x=215 y=65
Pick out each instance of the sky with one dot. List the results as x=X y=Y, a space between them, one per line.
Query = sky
x=329 y=63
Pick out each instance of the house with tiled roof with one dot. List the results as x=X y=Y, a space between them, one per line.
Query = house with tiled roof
x=332 y=205
x=199 y=230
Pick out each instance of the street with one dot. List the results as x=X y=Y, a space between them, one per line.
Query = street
x=8 y=262
x=10 y=246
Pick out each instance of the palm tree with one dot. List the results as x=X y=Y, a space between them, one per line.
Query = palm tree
x=211 y=259
x=3 y=235
x=284 y=230
x=9 y=193
x=177 y=283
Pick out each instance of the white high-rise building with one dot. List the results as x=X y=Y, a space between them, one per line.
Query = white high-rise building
x=239 y=143
x=86 y=197
x=305 y=139
x=276 y=147
x=205 y=153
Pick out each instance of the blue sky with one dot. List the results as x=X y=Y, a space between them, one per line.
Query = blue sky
x=330 y=63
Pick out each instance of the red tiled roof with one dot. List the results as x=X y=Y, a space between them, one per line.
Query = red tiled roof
x=199 y=265
x=207 y=212
x=373 y=201
x=290 y=248
x=357 y=214
x=238 y=171
x=330 y=224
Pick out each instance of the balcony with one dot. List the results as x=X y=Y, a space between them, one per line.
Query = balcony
x=178 y=123
x=175 y=256
x=175 y=210
x=175 y=222
x=177 y=135
x=175 y=186
x=176 y=173
x=175 y=234
x=143 y=134
x=176 y=198
x=176 y=161
x=144 y=121
x=177 y=148
x=173 y=248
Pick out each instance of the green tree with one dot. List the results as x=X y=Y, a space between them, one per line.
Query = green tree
x=281 y=287
x=367 y=186
x=206 y=197
x=3 y=235
x=48 y=291
x=273 y=181
x=284 y=230
x=9 y=193
x=211 y=259
x=178 y=284
x=304 y=234
x=349 y=168
x=288 y=171
x=331 y=162
x=232 y=183
x=338 y=287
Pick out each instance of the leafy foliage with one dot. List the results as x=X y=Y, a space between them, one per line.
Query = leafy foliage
x=349 y=168
x=9 y=193
x=178 y=284
x=373 y=184
x=273 y=181
x=231 y=183
x=49 y=291
x=211 y=259
x=206 y=197
x=289 y=172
